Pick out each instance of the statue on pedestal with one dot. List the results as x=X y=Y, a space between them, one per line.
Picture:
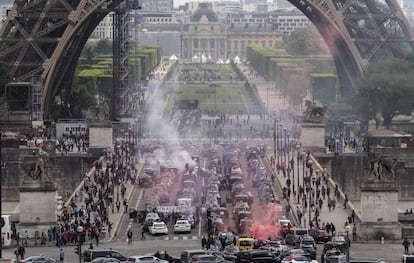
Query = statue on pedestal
x=36 y=170
x=381 y=167
x=314 y=112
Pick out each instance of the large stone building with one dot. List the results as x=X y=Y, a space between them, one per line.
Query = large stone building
x=104 y=30
x=157 y=5
x=206 y=35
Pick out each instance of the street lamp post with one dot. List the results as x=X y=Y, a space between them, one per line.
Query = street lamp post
x=297 y=168
x=80 y=231
x=284 y=145
x=274 y=139
x=310 y=209
x=133 y=135
x=129 y=143
x=289 y=168
x=126 y=148
x=277 y=142
x=303 y=168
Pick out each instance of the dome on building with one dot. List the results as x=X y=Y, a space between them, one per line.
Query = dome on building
x=204 y=10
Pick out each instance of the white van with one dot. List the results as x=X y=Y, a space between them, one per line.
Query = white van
x=6 y=232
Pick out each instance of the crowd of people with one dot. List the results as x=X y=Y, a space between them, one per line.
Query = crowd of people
x=102 y=193
x=315 y=194
x=71 y=142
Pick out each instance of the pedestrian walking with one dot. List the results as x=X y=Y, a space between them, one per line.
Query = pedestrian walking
x=345 y=201
x=16 y=253
x=353 y=216
x=354 y=233
x=118 y=205
x=142 y=232
x=21 y=251
x=61 y=255
x=406 y=245
x=129 y=236
x=26 y=237
x=203 y=242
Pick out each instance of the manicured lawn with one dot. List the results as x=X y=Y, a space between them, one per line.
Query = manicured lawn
x=207 y=72
x=228 y=99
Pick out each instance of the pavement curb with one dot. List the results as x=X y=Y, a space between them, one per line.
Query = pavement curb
x=117 y=224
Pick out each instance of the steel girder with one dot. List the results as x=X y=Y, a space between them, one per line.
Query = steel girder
x=44 y=38
x=358 y=32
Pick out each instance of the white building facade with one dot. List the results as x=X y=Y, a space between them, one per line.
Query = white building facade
x=105 y=28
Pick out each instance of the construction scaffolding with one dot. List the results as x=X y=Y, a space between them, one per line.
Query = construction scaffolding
x=121 y=49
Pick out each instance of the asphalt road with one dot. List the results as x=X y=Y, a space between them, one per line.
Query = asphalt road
x=389 y=252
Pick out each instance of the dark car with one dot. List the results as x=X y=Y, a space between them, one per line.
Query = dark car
x=91 y=254
x=320 y=235
x=333 y=256
x=354 y=260
x=257 y=256
x=210 y=258
x=296 y=252
x=308 y=244
x=337 y=242
x=187 y=255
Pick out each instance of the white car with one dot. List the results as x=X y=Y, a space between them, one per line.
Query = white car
x=158 y=228
x=182 y=226
x=152 y=217
x=40 y=258
x=145 y=259
x=284 y=221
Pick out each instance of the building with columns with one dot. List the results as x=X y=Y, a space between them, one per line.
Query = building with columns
x=205 y=34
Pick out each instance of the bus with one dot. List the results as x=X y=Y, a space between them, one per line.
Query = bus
x=6 y=231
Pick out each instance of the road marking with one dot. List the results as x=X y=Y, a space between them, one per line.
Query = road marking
x=175 y=238
x=131 y=220
x=194 y=237
x=185 y=237
x=166 y=238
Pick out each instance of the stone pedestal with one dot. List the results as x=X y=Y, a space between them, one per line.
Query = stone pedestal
x=38 y=207
x=312 y=136
x=100 y=137
x=379 y=210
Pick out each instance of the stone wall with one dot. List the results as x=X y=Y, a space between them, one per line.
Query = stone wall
x=66 y=171
x=348 y=170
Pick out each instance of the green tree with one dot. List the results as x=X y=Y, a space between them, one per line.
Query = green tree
x=305 y=41
x=88 y=53
x=84 y=93
x=103 y=46
x=386 y=90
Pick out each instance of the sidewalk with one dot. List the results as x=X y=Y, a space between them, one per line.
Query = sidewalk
x=338 y=216
x=114 y=216
x=274 y=101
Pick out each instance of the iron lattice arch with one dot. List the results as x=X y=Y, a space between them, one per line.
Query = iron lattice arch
x=358 y=32
x=41 y=40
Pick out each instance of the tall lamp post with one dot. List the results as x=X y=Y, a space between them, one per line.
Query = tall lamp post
x=1 y=211
x=274 y=139
x=288 y=162
x=133 y=135
x=80 y=232
x=284 y=144
x=303 y=168
x=126 y=148
x=277 y=142
x=297 y=167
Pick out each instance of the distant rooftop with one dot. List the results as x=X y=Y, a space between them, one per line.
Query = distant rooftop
x=386 y=133
x=204 y=10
